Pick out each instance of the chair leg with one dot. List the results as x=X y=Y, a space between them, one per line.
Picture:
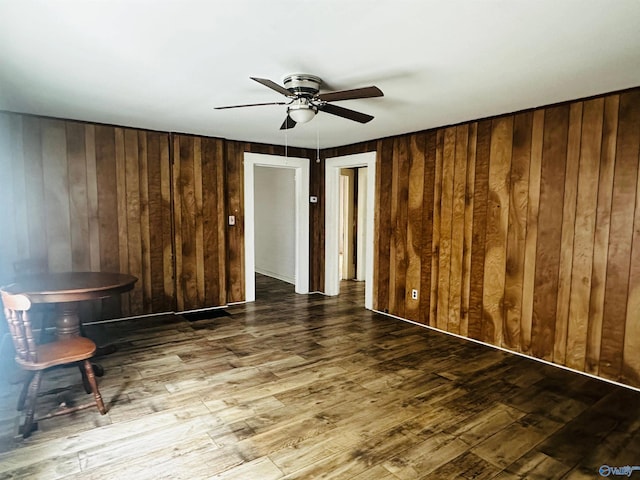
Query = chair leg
x=94 y=386
x=85 y=380
x=34 y=386
x=23 y=392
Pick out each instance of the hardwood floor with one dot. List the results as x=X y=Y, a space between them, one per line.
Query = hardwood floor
x=308 y=387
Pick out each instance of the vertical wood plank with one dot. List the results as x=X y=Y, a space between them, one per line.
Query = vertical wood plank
x=240 y=149
x=212 y=211
x=377 y=250
x=446 y=214
x=437 y=215
x=199 y=219
x=427 y=225
x=235 y=237
x=478 y=245
x=393 y=215
x=78 y=200
x=468 y=229
x=118 y=303
x=414 y=224
x=108 y=218
x=186 y=249
x=587 y=186
x=517 y=229
x=15 y=193
x=210 y=245
x=12 y=196
x=497 y=225
x=166 y=214
x=552 y=180
x=601 y=237
x=132 y=212
x=177 y=197
x=620 y=236
x=154 y=187
x=107 y=198
x=568 y=232
x=8 y=199
x=316 y=229
x=34 y=180
x=121 y=198
x=531 y=239
x=92 y=197
x=457 y=227
x=56 y=195
x=400 y=194
x=393 y=243
x=383 y=221
x=145 y=223
x=221 y=209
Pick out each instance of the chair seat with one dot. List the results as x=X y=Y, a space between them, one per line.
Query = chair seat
x=60 y=352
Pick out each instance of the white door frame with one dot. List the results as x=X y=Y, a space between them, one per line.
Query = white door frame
x=361 y=225
x=301 y=167
x=332 y=205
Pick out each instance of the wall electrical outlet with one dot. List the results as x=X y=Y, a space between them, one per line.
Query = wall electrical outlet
x=414 y=294
x=232 y=220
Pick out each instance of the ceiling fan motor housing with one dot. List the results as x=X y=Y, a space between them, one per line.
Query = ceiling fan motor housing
x=303 y=84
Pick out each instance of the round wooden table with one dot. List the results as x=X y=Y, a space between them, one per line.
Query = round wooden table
x=67 y=289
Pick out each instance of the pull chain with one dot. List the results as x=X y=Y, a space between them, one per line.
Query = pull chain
x=317 y=144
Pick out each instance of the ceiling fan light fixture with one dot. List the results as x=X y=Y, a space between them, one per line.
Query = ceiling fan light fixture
x=302 y=112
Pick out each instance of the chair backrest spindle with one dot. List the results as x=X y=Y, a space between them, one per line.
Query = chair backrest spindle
x=16 y=309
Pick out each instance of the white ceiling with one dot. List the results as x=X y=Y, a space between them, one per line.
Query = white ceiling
x=164 y=65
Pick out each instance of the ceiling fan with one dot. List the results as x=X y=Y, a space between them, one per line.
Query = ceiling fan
x=304 y=100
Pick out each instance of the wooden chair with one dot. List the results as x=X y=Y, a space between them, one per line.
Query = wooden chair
x=35 y=359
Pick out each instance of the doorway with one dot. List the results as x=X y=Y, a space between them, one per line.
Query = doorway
x=352 y=235
x=300 y=166
x=333 y=167
x=347 y=258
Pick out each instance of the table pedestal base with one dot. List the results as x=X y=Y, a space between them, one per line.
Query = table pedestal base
x=67 y=320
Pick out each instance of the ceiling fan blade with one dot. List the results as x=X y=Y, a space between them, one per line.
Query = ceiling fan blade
x=273 y=86
x=345 y=113
x=250 y=105
x=364 y=92
x=288 y=123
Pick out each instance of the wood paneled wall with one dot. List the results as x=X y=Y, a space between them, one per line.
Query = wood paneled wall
x=94 y=197
x=199 y=221
x=522 y=231
x=89 y=197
